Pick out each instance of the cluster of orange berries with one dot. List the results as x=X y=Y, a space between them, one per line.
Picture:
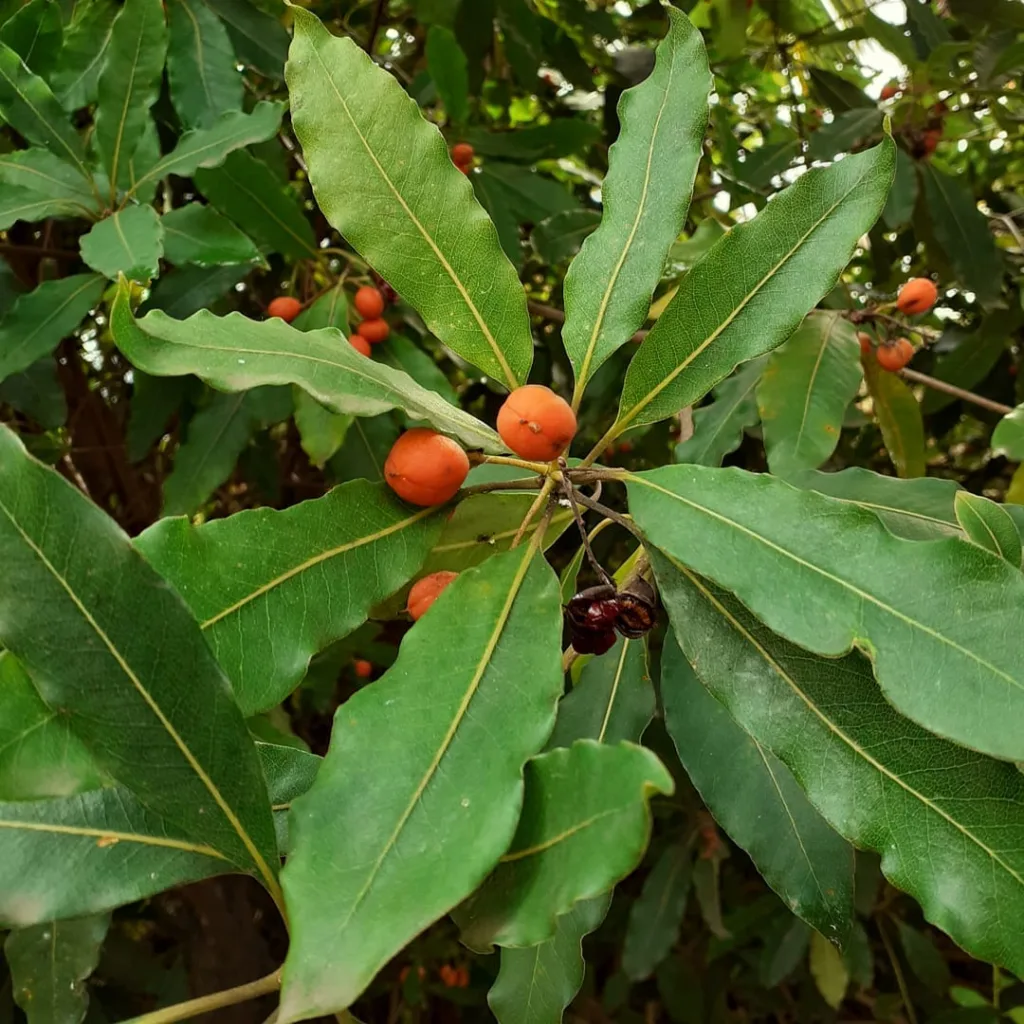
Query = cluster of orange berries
x=426 y=468
x=451 y=976
x=369 y=303
x=462 y=156
x=917 y=296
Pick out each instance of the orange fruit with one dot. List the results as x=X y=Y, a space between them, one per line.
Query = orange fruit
x=369 y=303
x=359 y=343
x=374 y=331
x=426 y=591
x=284 y=307
x=889 y=91
x=865 y=343
x=462 y=154
x=918 y=295
x=425 y=467
x=895 y=354
x=536 y=424
x=364 y=668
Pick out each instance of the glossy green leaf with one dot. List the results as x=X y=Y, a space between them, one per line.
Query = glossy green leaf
x=248 y=192
x=657 y=915
x=756 y=800
x=646 y=194
x=406 y=355
x=22 y=204
x=34 y=32
x=365 y=450
x=146 y=155
x=259 y=39
x=613 y=700
x=49 y=966
x=233 y=353
x=369 y=868
x=185 y=290
x=828 y=970
x=39 y=171
x=200 y=64
x=805 y=390
x=448 y=68
x=39 y=754
x=536 y=984
x=584 y=826
x=755 y=285
x=899 y=417
x=321 y=432
x=30 y=108
x=844 y=132
x=564 y=136
x=988 y=525
x=315 y=570
x=210 y=147
x=199 y=234
x=558 y=238
x=42 y=317
x=37 y=393
x=1008 y=437
x=718 y=428
x=521 y=192
x=346 y=112
x=76 y=77
x=129 y=83
x=108 y=642
x=329 y=310
x=914 y=606
x=899 y=207
x=945 y=820
x=963 y=232
x=129 y=241
x=217 y=435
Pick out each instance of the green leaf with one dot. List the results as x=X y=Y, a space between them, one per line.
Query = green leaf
x=718 y=428
x=988 y=525
x=107 y=642
x=42 y=317
x=786 y=553
x=50 y=177
x=963 y=232
x=558 y=238
x=346 y=113
x=247 y=191
x=199 y=234
x=369 y=868
x=899 y=207
x=146 y=155
x=805 y=390
x=524 y=195
x=315 y=570
x=217 y=436
x=200 y=65
x=30 y=108
x=129 y=241
x=39 y=754
x=1008 y=437
x=185 y=290
x=34 y=33
x=49 y=965
x=37 y=393
x=406 y=355
x=21 y=204
x=448 y=68
x=843 y=134
x=213 y=146
x=613 y=700
x=828 y=970
x=584 y=827
x=656 y=916
x=83 y=54
x=924 y=804
x=321 y=432
x=365 y=451
x=329 y=310
x=260 y=40
x=233 y=353
x=924 y=959
x=565 y=136
x=536 y=984
x=129 y=83
x=756 y=800
x=154 y=401
x=755 y=285
x=646 y=194
x=899 y=418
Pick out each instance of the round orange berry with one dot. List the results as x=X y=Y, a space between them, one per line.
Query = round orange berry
x=375 y=330
x=426 y=591
x=425 y=467
x=359 y=343
x=462 y=154
x=895 y=354
x=918 y=295
x=284 y=307
x=865 y=343
x=535 y=423
x=364 y=668
x=369 y=302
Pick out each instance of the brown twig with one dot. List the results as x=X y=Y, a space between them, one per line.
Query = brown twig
x=555 y=315
x=378 y=18
x=952 y=389
x=608 y=513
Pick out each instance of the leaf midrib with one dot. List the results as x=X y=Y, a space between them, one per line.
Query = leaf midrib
x=839 y=581
x=28 y=338
x=833 y=728
x=814 y=376
x=138 y=838
x=122 y=663
x=510 y=377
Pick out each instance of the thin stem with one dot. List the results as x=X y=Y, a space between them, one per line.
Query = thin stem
x=507 y=460
x=898 y=971
x=378 y=17
x=204 y=1004
x=532 y=483
x=545 y=491
x=595 y=564
x=555 y=315
x=615 y=517
x=952 y=389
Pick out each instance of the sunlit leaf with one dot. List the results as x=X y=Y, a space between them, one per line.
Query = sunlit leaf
x=129 y=241
x=899 y=418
